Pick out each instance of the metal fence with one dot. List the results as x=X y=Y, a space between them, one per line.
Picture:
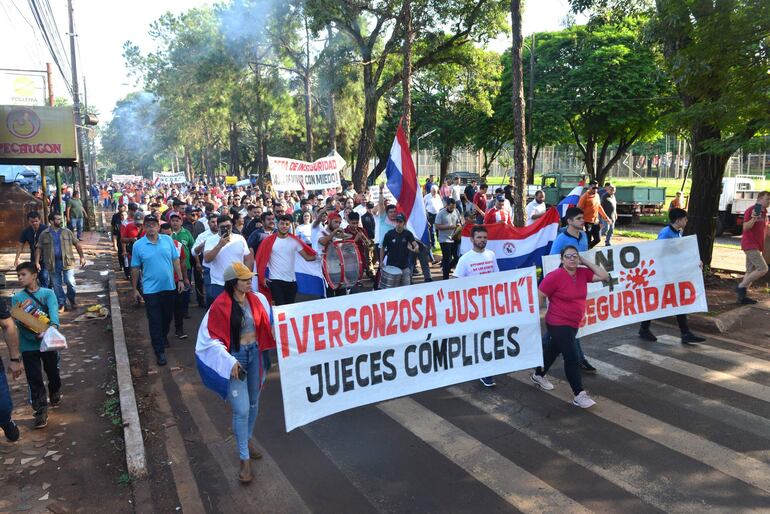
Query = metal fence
x=567 y=158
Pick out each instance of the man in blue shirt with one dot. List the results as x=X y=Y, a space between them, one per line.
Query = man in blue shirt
x=156 y=260
x=677 y=221
x=572 y=235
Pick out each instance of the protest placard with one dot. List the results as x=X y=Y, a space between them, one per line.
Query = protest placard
x=374 y=194
x=121 y=179
x=292 y=175
x=168 y=178
x=339 y=353
x=649 y=280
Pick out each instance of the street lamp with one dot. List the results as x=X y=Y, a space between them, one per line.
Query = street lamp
x=417 y=164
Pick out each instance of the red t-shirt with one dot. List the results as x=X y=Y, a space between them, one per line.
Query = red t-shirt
x=754 y=238
x=129 y=231
x=480 y=199
x=566 y=296
x=497 y=216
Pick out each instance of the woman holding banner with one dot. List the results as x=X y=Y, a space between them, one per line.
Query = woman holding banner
x=231 y=353
x=566 y=289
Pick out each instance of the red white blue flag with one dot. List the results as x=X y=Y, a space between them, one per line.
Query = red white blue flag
x=402 y=183
x=518 y=247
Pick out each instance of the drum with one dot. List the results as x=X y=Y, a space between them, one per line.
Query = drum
x=342 y=264
x=390 y=276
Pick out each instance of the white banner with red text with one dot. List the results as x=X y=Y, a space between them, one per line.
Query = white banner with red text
x=648 y=280
x=343 y=352
x=292 y=175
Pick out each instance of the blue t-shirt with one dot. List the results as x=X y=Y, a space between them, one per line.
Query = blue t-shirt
x=565 y=239
x=56 y=237
x=669 y=233
x=156 y=262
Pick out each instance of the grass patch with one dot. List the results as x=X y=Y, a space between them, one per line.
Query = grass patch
x=125 y=480
x=654 y=219
x=111 y=410
x=636 y=234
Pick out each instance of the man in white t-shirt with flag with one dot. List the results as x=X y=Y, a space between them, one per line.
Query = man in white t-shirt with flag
x=479 y=261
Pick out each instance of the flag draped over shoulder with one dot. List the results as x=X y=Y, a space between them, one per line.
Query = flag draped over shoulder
x=570 y=200
x=403 y=185
x=212 y=348
x=309 y=274
x=518 y=247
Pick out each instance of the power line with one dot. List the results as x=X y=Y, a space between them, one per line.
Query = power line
x=45 y=31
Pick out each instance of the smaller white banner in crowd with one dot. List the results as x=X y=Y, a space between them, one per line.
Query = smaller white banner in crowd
x=169 y=178
x=339 y=353
x=649 y=280
x=292 y=175
x=374 y=194
x=122 y=179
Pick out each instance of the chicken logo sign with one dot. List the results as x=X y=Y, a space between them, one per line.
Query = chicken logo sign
x=23 y=123
x=37 y=135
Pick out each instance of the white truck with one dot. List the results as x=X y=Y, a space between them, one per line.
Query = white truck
x=738 y=194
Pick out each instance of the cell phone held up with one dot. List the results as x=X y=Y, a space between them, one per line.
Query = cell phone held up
x=757 y=209
x=224 y=232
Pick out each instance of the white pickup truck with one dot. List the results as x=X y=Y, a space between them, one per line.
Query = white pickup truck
x=738 y=194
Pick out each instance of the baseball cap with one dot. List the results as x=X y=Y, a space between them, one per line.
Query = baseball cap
x=400 y=217
x=500 y=198
x=237 y=270
x=334 y=215
x=150 y=219
x=174 y=215
x=189 y=209
x=139 y=216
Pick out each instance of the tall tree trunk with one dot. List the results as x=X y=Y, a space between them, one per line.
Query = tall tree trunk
x=703 y=208
x=444 y=160
x=331 y=114
x=407 y=70
x=366 y=143
x=189 y=173
x=235 y=165
x=308 y=99
x=519 y=133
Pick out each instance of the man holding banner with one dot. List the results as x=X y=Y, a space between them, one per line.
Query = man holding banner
x=678 y=220
x=478 y=261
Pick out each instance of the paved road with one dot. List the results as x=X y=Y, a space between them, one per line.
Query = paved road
x=675 y=429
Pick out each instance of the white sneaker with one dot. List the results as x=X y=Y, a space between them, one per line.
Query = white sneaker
x=541 y=382
x=583 y=401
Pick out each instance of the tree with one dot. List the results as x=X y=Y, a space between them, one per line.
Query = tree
x=717 y=55
x=456 y=100
x=375 y=30
x=605 y=82
x=519 y=134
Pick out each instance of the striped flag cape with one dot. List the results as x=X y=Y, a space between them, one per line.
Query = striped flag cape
x=403 y=185
x=518 y=247
x=309 y=275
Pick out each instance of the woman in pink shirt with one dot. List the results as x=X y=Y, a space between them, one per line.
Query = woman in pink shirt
x=566 y=289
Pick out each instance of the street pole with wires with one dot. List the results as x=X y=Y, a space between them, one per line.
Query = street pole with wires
x=91 y=220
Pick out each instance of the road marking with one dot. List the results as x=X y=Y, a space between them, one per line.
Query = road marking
x=270 y=490
x=737 y=465
x=718 y=378
x=727 y=340
x=184 y=479
x=714 y=409
x=518 y=487
x=717 y=353
x=659 y=491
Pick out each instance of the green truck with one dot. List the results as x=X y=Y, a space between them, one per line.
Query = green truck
x=633 y=201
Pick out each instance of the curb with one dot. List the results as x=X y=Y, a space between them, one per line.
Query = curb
x=727 y=320
x=136 y=461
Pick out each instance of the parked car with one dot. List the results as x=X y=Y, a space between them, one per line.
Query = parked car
x=738 y=194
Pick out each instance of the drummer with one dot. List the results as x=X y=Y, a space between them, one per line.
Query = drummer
x=397 y=244
x=332 y=232
x=364 y=244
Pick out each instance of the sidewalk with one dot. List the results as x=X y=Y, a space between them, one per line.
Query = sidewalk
x=76 y=463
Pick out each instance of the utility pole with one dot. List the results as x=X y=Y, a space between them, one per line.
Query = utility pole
x=84 y=193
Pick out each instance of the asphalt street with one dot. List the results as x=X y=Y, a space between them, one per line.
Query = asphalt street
x=675 y=429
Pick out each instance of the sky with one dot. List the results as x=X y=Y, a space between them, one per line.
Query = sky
x=103 y=26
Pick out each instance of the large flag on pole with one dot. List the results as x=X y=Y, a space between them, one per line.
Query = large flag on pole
x=402 y=183
x=518 y=247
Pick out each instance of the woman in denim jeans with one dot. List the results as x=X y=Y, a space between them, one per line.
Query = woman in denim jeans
x=232 y=355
